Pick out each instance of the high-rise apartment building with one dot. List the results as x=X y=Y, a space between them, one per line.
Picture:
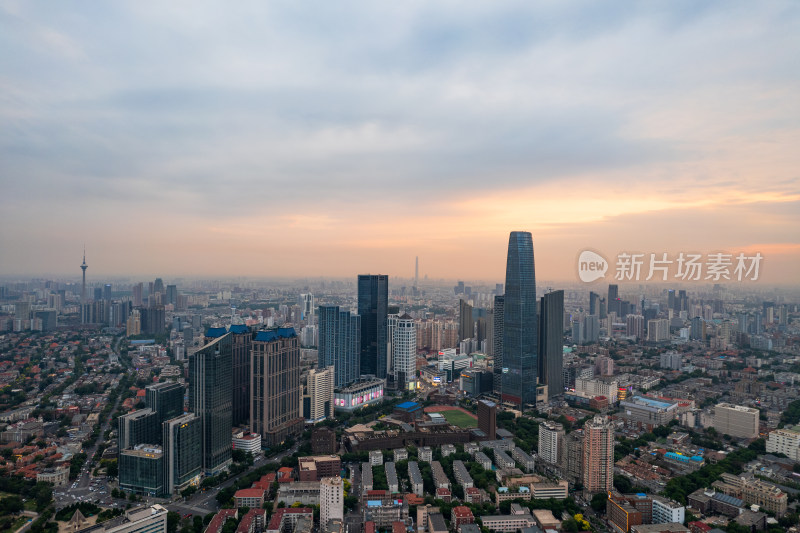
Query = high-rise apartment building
x=551 y=442
x=275 y=386
x=172 y=294
x=133 y=324
x=785 y=441
x=551 y=342
x=320 y=394
x=138 y=294
x=331 y=500
x=210 y=384
x=182 y=442
x=497 y=341
x=635 y=326
x=240 y=400
x=306 y=304
x=598 y=455
x=373 y=301
x=404 y=352
x=487 y=418
x=520 y=325
x=166 y=399
x=339 y=343
x=736 y=420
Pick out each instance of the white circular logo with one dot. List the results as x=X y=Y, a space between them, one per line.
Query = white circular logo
x=591 y=266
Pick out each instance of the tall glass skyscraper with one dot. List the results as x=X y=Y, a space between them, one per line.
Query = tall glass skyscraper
x=373 y=301
x=339 y=343
x=210 y=384
x=551 y=342
x=520 y=325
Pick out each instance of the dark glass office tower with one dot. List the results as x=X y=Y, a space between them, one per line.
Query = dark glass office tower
x=551 y=342
x=497 y=339
x=339 y=343
x=613 y=305
x=138 y=427
x=210 y=383
x=240 y=399
x=182 y=462
x=166 y=399
x=594 y=300
x=520 y=325
x=373 y=299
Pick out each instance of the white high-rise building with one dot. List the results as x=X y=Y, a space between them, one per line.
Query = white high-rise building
x=331 y=500
x=306 y=304
x=785 y=441
x=320 y=392
x=404 y=348
x=551 y=438
x=658 y=330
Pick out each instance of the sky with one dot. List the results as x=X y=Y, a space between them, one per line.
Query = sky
x=335 y=138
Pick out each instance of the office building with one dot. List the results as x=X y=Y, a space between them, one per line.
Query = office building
x=598 y=455
x=138 y=427
x=520 y=326
x=165 y=399
x=363 y=392
x=634 y=326
x=466 y=326
x=306 y=304
x=141 y=470
x=666 y=511
x=612 y=303
x=736 y=420
x=626 y=510
x=497 y=342
x=275 y=385
x=339 y=344
x=240 y=354
x=320 y=394
x=210 y=384
x=148 y=519
x=551 y=442
x=487 y=418
x=645 y=413
x=331 y=500
x=594 y=301
x=172 y=294
x=551 y=342
x=317 y=467
x=182 y=438
x=404 y=353
x=373 y=301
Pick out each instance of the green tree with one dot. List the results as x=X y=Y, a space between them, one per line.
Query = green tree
x=598 y=502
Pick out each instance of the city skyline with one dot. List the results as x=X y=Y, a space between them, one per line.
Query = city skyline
x=650 y=129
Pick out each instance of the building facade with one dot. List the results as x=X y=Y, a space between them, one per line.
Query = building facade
x=736 y=420
x=373 y=301
x=551 y=342
x=320 y=394
x=182 y=458
x=598 y=455
x=339 y=343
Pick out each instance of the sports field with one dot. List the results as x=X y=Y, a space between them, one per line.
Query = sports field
x=460 y=418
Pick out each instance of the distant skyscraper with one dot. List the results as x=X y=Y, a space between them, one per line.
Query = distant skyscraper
x=373 y=300
x=210 y=384
x=158 y=286
x=612 y=305
x=138 y=427
x=404 y=348
x=598 y=455
x=416 y=271
x=551 y=342
x=138 y=294
x=339 y=343
x=84 y=266
x=594 y=300
x=275 y=386
x=497 y=340
x=306 y=303
x=240 y=400
x=466 y=326
x=520 y=325
x=172 y=294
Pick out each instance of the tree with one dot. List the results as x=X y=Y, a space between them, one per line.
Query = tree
x=598 y=502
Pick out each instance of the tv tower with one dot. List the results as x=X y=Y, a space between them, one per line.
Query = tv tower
x=84 y=266
x=416 y=272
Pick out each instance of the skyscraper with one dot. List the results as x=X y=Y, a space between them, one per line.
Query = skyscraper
x=320 y=394
x=551 y=342
x=331 y=501
x=497 y=340
x=172 y=294
x=166 y=399
x=339 y=343
x=275 y=386
x=594 y=300
x=598 y=455
x=240 y=400
x=138 y=427
x=210 y=384
x=138 y=293
x=551 y=442
x=487 y=418
x=306 y=303
x=182 y=437
x=373 y=300
x=612 y=305
x=404 y=351
x=466 y=326
x=520 y=326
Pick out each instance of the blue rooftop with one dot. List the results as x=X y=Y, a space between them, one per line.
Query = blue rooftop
x=215 y=332
x=239 y=328
x=275 y=334
x=650 y=402
x=408 y=405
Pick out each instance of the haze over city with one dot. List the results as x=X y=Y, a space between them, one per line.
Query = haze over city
x=283 y=140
